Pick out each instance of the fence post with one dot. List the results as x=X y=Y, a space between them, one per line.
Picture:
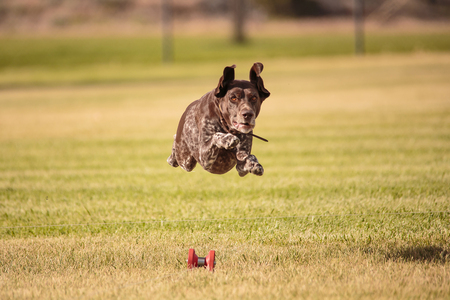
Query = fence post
x=358 y=17
x=239 y=9
x=167 y=39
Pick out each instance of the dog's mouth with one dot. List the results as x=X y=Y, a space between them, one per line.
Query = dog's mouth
x=243 y=127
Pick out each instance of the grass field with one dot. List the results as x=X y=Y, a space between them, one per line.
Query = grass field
x=354 y=202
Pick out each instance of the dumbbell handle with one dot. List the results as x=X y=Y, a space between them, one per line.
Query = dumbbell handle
x=201 y=261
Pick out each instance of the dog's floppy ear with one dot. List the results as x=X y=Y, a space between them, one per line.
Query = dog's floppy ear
x=256 y=79
x=228 y=76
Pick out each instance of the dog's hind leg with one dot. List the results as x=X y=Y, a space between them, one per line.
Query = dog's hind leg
x=172 y=160
x=181 y=157
x=188 y=164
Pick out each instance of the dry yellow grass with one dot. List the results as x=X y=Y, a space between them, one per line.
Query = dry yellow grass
x=137 y=267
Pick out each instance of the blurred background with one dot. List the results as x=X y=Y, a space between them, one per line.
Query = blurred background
x=234 y=20
x=113 y=16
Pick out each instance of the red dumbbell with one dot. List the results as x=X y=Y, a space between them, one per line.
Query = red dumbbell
x=195 y=262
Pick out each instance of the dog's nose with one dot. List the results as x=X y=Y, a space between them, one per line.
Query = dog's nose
x=247 y=114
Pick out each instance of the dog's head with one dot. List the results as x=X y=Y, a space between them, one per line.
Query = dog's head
x=240 y=100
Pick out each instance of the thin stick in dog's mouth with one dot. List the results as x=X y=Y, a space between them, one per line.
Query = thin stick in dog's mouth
x=258 y=137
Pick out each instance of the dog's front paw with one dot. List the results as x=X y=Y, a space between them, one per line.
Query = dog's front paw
x=250 y=165
x=231 y=141
x=257 y=169
x=226 y=141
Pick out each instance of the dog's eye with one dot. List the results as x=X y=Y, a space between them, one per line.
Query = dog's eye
x=233 y=99
x=253 y=99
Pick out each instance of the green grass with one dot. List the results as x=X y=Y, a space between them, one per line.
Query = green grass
x=72 y=52
x=62 y=60
x=354 y=202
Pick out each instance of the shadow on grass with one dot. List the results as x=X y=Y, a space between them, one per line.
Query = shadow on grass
x=434 y=254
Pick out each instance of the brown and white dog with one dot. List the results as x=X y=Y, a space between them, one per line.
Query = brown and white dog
x=216 y=130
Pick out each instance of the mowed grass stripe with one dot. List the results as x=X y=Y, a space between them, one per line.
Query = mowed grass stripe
x=67 y=52
x=38 y=61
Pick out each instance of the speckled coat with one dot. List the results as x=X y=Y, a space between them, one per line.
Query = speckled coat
x=215 y=131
